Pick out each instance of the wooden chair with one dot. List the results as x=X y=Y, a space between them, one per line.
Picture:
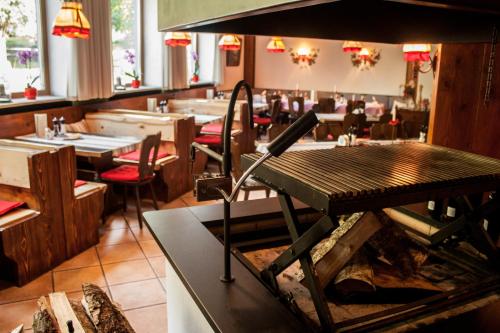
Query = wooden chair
x=277 y=120
x=250 y=184
x=295 y=114
x=137 y=175
x=355 y=120
x=326 y=105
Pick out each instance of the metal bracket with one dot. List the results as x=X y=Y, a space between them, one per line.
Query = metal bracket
x=207 y=187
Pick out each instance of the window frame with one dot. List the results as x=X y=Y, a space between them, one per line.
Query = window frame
x=42 y=51
x=200 y=83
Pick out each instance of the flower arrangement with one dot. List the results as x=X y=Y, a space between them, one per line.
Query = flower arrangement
x=25 y=58
x=130 y=57
x=196 y=70
x=304 y=56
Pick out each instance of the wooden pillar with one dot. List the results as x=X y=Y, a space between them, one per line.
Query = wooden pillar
x=249 y=64
x=460 y=117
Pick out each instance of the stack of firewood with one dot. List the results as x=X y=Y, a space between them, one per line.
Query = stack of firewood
x=368 y=251
x=96 y=313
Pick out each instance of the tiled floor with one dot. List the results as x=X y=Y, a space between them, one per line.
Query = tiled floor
x=127 y=263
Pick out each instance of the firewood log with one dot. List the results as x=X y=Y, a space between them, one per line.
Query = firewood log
x=397 y=247
x=82 y=316
x=356 y=276
x=105 y=315
x=44 y=320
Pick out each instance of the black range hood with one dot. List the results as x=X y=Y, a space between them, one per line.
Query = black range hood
x=370 y=20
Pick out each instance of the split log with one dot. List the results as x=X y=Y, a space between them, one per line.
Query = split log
x=64 y=313
x=18 y=329
x=44 y=320
x=331 y=256
x=82 y=316
x=392 y=243
x=105 y=315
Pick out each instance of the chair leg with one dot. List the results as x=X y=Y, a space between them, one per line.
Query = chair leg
x=247 y=195
x=268 y=192
x=138 y=205
x=125 y=192
x=153 y=194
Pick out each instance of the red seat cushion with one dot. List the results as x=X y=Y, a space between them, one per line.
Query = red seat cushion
x=212 y=128
x=127 y=173
x=209 y=140
x=261 y=121
x=79 y=183
x=7 y=206
x=136 y=155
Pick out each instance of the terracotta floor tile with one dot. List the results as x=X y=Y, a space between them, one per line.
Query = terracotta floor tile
x=158 y=264
x=151 y=249
x=163 y=282
x=72 y=280
x=85 y=259
x=142 y=234
x=193 y=202
x=36 y=288
x=115 y=221
x=138 y=294
x=151 y=319
x=128 y=271
x=14 y=314
x=120 y=252
x=115 y=236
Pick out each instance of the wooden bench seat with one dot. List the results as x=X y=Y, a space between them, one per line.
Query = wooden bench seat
x=177 y=133
x=17 y=216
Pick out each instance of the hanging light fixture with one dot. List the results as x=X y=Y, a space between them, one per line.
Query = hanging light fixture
x=352 y=46
x=417 y=52
x=229 y=42
x=177 y=39
x=276 y=45
x=71 y=22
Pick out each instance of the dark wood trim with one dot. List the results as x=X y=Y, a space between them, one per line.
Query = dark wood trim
x=249 y=60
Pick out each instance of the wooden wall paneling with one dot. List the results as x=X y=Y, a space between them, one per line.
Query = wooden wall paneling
x=459 y=117
x=249 y=63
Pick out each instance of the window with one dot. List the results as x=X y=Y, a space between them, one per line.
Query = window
x=21 y=47
x=125 y=22
x=201 y=58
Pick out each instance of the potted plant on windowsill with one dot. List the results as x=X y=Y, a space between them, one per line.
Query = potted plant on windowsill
x=25 y=58
x=196 y=70
x=136 y=82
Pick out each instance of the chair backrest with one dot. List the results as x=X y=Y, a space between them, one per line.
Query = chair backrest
x=146 y=165
x=357 y=120
x=275 y=110
x=300 y=110
x=326 y=105
x=385 y=118
x=359 y=105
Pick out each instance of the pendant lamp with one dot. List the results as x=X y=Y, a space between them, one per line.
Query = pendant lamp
x=352 y=46
x=276 y=45
x=229 y=42
x=177 y=39
x=417 y=52
x=71 y=22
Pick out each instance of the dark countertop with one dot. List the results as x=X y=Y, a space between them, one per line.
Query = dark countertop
x=197 y=256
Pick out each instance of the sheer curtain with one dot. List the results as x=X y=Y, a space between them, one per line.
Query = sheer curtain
x=219 y=59
x=90 y=68
x=175 y=69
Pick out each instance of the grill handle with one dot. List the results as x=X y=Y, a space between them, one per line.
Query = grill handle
x=297 y=130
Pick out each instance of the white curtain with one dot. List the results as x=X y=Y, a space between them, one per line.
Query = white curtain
x=90 y=69
x=175 y=69
x=219 y=62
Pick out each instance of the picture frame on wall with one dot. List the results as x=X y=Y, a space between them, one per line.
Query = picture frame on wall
x=233 y=58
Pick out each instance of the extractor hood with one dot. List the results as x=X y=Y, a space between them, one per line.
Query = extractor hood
x=386 y=21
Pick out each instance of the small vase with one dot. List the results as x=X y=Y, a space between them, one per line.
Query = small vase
x=135 y=83
x=195 y=78
x=30 y=93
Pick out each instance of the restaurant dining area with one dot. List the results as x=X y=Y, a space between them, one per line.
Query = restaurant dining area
x=249 y=166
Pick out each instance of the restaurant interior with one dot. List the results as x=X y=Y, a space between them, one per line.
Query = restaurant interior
x=249 y=166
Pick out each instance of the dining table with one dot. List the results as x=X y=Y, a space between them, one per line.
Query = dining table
x=89 y=145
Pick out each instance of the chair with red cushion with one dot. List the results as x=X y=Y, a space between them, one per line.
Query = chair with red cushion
x=213 y=138
x=137 y=175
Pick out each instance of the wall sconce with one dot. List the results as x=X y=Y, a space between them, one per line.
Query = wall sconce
x=304 y=56
x=366 y=58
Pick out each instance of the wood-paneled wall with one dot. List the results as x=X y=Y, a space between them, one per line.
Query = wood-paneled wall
x=460 y=117
x=22 y=123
